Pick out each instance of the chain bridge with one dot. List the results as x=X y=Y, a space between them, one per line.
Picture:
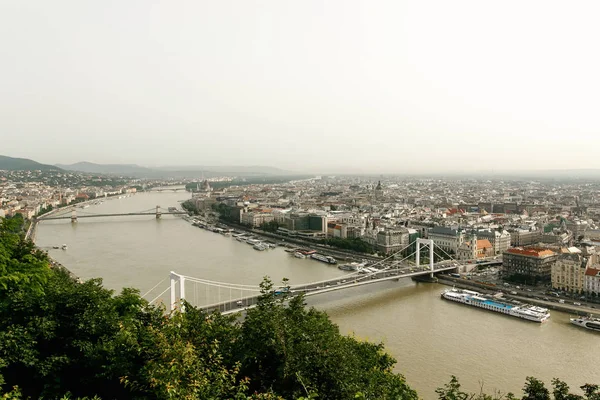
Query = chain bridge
x=73 y=214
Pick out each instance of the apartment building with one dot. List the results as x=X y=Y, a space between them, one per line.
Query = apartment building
x=568 y=273
x=392 y=240
x=592 y=280
x=500 y=241
x=525 y=237
x=448 y=239
x=529 y=264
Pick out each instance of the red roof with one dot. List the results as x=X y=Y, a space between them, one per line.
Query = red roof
x=592 y=272
x=483 y=244
x=531 y=251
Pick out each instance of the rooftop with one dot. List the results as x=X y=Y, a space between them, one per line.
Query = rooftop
x=531 y=252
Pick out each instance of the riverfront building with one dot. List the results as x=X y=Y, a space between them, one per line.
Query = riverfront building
x=392 y=240
x=568 y=273
x=592 y=280
x=529 y=264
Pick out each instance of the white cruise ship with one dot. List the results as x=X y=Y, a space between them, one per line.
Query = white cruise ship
x=587 y=323
x=476 y=299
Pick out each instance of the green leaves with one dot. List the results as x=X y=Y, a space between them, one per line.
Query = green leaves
x=299 y=352
x=533 y=389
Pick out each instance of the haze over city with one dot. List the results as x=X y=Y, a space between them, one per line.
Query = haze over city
x=341 y=86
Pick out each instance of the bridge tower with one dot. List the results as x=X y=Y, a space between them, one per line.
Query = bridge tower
x=174 y=279
x=73 y=215
x=427 y=243
x=158 y=213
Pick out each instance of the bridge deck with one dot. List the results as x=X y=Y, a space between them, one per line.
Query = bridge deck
x=113 y=215
x=313 y=289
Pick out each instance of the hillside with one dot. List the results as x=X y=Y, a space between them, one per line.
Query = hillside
x=23 y=164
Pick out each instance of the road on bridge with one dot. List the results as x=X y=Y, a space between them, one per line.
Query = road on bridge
x=344 y=282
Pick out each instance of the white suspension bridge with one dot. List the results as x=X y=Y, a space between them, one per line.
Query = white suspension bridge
x=226 y=297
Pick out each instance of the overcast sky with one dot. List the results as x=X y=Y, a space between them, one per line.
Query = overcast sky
x=372 y=86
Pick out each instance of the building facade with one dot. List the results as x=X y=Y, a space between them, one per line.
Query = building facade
x=592 y=280
x=529 y=264
x=392 y=240
x=568 y=273
x=448 y=239
x=522 y=237
x=500 y=241
x=256 y=219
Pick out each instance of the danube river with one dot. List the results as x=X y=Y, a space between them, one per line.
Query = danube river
x=432 y=339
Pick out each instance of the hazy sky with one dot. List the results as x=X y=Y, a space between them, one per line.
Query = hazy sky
x=374 y=86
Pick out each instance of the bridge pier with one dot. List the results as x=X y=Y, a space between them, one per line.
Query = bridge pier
x=73 y=215
x=158 y=213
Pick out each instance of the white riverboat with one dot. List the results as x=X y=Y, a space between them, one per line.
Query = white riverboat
x=590 y=323
x=476 y=299
x=322 y=258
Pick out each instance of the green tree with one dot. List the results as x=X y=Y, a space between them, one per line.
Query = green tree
x=21 y=264
x=297 y=352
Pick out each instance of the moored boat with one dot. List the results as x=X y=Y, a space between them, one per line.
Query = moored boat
x=322 y=258
x=259 y=247
x=590 y=323
x=476 y=299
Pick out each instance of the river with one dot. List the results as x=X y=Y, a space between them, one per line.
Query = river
x=432 y=339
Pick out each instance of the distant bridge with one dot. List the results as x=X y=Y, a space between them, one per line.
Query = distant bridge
x=232 y=297
x=73 y=216
x=167 y=189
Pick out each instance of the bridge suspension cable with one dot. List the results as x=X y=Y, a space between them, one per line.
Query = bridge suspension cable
x=373 y=265
x=154 y=287
x=162 y=294
x=223 y=285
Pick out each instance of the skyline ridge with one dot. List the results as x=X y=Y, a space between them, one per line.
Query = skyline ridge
x=164 y=170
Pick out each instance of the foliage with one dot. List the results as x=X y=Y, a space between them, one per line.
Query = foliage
x=226 y=213
x=271 y=226
x=534 y=389
x=354 y=244
x=45 y=210
x=189 y=206
x=298 y=352
x=21 y=264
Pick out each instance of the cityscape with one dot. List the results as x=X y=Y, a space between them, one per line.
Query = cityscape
x=542 y=232
x=276 y=200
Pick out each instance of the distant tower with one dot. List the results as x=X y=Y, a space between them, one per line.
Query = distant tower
x=378 y=191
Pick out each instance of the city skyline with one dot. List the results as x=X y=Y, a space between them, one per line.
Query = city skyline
x=396 y=87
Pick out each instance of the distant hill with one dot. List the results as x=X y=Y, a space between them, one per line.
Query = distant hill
x=23 y=164
x=115 y=169
x=228 y=170
x=172 y=171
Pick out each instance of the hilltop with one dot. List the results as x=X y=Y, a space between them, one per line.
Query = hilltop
x=23 y=164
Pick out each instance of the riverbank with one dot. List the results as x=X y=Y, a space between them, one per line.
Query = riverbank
x=567 y=308
x=344 y=255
